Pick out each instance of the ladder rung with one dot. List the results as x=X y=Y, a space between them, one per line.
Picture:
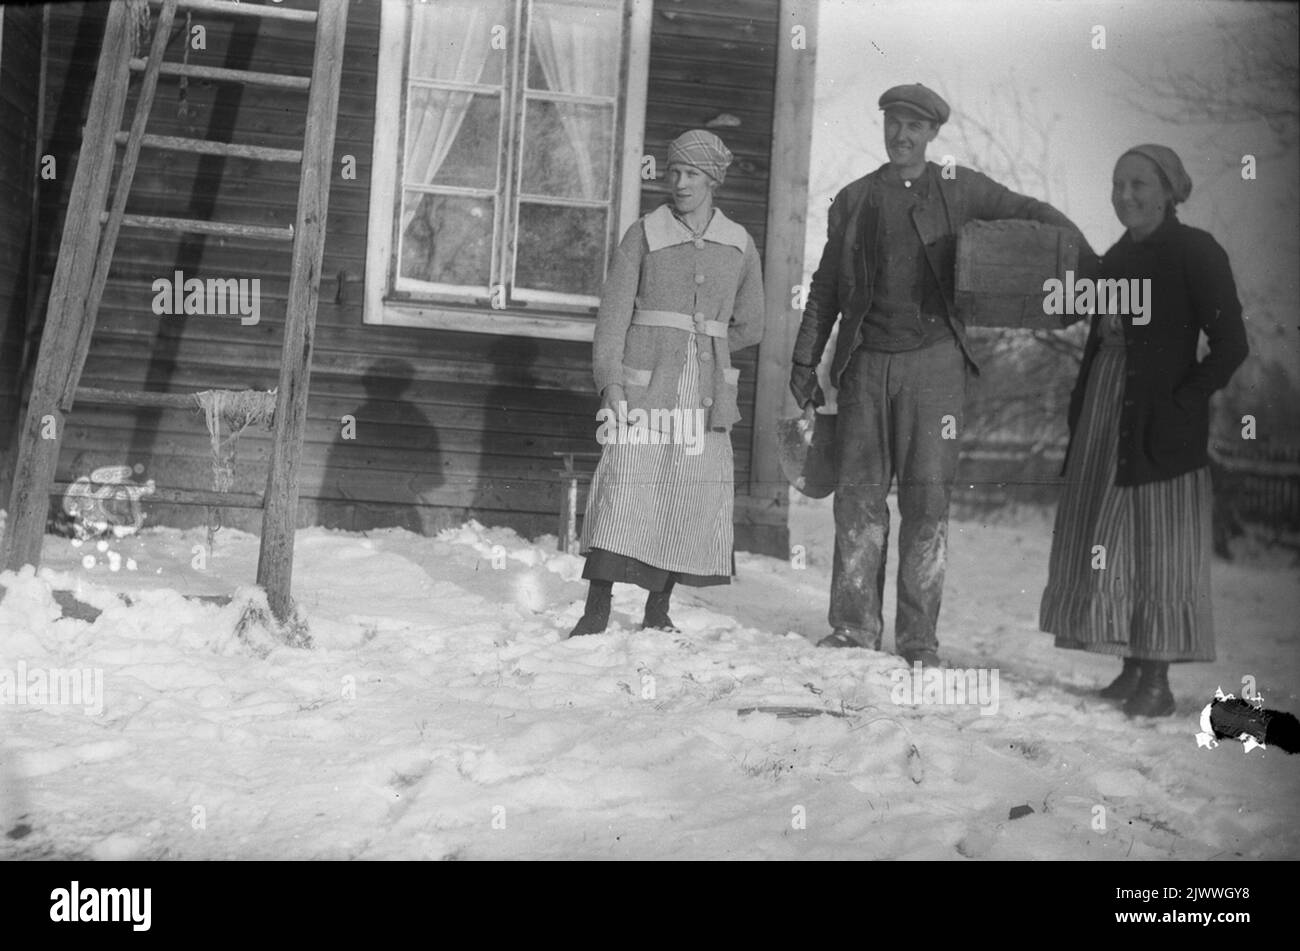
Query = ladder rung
x=204 y=147
x=229 y=75
x=237 y=500
x=98 y=395
x=153 y=398
x=246 y=9
x=206 y=227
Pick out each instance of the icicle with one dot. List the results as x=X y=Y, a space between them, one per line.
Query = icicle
x=239 y=409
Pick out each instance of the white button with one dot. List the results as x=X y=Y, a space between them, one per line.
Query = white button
x=706 y=356
x=699 y=315
x=699 y=242
x=708 y=401
x=699 y=278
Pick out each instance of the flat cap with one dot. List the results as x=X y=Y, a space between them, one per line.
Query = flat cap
x=918 y=100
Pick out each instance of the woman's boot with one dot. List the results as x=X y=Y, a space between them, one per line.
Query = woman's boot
x=1122 y=687
x=1152 y=697
x=595 y=616
x=656 y=610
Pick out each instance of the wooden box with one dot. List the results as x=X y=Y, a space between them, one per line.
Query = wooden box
x=1001 y=267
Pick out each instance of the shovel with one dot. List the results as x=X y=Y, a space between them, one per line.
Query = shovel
x=807 y=452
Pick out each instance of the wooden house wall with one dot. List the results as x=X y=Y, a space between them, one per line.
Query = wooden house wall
x=20 y=47
x=465 y=422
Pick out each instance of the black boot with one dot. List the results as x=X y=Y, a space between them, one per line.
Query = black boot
x=595 y=616
x=1122 y=687
x=1152 y=697
x=656 y=610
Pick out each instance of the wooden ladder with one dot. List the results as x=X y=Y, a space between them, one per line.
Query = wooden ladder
x=86 y=252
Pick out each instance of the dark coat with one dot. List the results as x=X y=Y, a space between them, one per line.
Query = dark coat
x=1165 y=417
x=843 y=281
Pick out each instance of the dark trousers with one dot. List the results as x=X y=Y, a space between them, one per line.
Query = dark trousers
x=895 y=410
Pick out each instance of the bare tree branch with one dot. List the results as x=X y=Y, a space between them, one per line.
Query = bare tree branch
x=1024 y=392
x=1256 y=79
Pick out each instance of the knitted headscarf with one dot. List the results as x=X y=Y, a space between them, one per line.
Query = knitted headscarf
x=1170 y=166
x=704 y=150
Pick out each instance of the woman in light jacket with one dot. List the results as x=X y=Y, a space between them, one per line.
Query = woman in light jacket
x=1130 y=566
x=684 y=292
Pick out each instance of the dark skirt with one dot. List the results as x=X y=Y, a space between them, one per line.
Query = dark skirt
x=605 y=565
x=1130 y=566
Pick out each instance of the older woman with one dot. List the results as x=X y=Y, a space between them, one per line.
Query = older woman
x=685 y=290
x=1130 y=564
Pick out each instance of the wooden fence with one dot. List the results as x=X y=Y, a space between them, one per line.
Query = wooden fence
x=1260 y=482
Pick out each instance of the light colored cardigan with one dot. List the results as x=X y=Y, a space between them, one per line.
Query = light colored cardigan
x=660 y=266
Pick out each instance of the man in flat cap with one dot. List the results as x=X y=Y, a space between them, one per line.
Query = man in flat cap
x=900 y=366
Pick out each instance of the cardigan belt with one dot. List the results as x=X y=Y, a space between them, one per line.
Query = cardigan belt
x=669 y=318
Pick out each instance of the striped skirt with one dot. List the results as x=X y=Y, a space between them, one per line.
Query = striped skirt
x=1130 y=565
x=663 y=505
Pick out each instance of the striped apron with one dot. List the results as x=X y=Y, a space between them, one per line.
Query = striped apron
x=662 y=505
x=1151 y=600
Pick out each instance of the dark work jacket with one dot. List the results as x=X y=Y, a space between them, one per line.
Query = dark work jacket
x=1165 y=416
x=843 y=281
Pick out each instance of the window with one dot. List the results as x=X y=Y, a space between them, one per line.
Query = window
x=507 y=159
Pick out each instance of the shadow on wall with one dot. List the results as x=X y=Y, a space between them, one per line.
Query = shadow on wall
x=506 y=482
x=368 y=466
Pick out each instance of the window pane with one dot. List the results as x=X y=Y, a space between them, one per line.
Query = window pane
x=452 y=138
x=567 y=150
x=561 y=249
x=574 y=46
x=452 y=40
x=446 y=239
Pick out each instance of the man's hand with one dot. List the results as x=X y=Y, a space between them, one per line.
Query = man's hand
x=804 y=386
x=612 y=396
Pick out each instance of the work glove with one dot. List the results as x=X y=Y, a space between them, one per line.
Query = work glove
x=803 y=384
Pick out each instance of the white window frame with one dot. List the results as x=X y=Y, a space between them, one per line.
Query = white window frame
x=532 y=314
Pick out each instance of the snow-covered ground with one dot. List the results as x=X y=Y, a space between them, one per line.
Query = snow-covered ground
x=441 y=714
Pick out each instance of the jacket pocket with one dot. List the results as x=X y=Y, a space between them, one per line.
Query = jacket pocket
x=636 y=384
x=726 y=411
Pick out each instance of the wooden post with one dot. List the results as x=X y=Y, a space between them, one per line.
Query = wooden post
x=275 y=559
x=42 y=432
x=787 y=204
x=567 y=528
x=567 y=538
x=113 y=223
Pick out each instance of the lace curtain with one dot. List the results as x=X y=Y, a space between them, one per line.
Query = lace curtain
x=577 y=47
x=450 y=41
